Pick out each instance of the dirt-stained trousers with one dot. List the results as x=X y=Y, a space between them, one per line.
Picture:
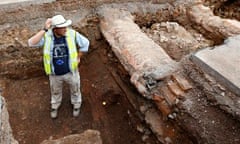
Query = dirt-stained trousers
x=56 y=82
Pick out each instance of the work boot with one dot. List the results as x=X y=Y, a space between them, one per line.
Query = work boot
x=76 y=112
x=54 y=113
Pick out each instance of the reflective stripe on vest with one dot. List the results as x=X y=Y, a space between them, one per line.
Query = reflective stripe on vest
x=47 y=59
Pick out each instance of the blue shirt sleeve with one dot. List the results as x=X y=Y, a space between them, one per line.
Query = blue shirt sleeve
x=39 y=44
x=82 y=42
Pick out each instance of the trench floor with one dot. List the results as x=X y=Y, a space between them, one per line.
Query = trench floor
x=29 y=105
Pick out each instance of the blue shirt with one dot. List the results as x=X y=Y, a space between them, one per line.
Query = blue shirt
x=81 y=41
x=60 y=56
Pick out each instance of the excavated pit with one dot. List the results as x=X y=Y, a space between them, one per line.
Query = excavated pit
x=27 y=93
x=103 y=79
x=127 y=117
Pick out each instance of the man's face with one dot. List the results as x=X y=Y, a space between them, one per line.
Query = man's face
x=60 y=31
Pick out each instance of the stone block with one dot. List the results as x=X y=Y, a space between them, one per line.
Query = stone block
x=216 y=25
x=157 y=98
x=135 y=50
x=87 y=137
x=156 y=123
x=182 y=82
x=174 y=88
x=163 y=107
x=169 y=96
x=222 y=62
x=6 y=136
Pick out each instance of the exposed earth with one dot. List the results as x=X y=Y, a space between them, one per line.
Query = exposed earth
x=105 y=85
x=28 y=105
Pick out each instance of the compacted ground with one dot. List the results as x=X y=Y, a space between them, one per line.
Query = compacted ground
x=29 y=105
x=26 y=89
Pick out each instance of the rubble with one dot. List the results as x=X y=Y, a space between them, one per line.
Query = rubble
x=6 y=135
x=174 y=39
x=87 y=137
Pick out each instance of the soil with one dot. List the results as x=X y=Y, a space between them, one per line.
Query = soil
x=29 y=105
x=26 y=88
x=105 y=107
x=226 y=8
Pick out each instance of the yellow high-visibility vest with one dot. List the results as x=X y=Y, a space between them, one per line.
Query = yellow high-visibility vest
x=48 y=45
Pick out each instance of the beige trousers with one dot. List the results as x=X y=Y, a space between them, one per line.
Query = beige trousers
x=56 y=82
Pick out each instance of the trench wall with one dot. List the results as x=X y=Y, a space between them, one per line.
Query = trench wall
x=6 y=135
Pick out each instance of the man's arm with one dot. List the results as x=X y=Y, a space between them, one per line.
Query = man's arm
x=34 y=40
x=83 y=44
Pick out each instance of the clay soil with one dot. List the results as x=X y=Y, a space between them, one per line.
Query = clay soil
x=29 y=105
x=26 y=90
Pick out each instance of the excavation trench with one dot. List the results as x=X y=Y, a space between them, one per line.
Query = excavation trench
x=102 y=81
x=139 y=55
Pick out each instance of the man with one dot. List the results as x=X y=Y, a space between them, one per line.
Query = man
x=61 y=57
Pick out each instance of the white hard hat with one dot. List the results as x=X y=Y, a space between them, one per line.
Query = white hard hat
x=60 y=21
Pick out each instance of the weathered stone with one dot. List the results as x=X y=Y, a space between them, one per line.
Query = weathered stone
x=157 y=98
x=163 y=107
x=174 y=88
x=135 y=50
x=87 y=137
x=168 y=95
x=155 y=121
x=6 y=136
x=135 y=79
x=204 y=16
x=222 y=62
x=182 y=82
x=160 y=127
x=173 y=38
